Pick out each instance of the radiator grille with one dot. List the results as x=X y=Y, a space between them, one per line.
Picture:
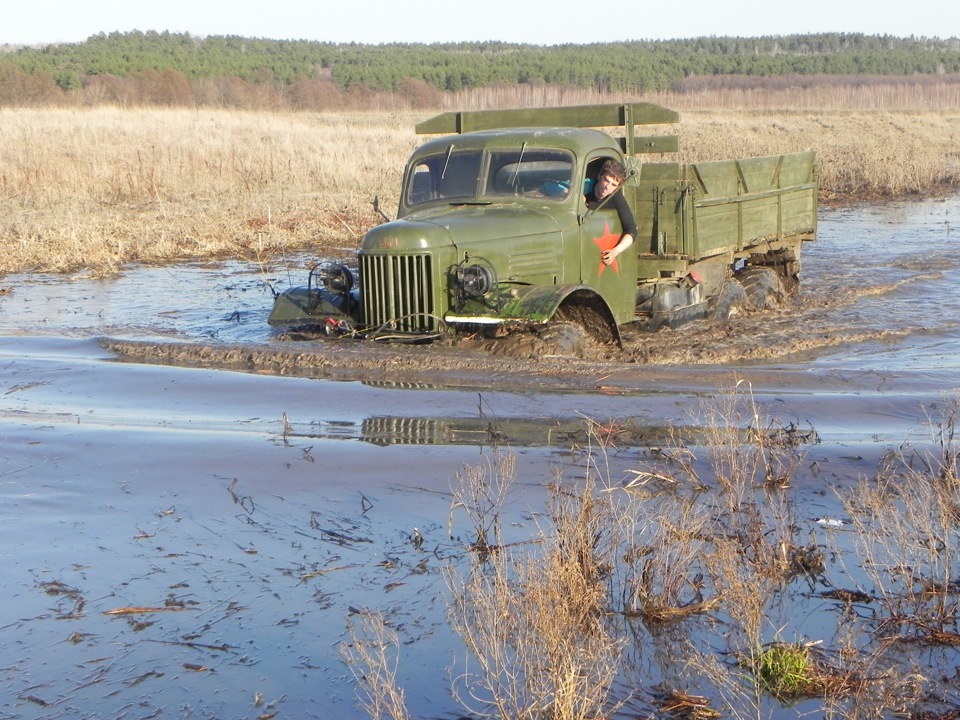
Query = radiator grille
x=398 y=292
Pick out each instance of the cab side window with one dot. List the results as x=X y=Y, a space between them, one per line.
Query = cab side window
x=593 y=171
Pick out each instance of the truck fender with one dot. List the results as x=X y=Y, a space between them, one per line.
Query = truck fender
x=580 y=304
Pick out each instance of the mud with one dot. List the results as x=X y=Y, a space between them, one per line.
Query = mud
x=193 y=509
x=520 y=361
x=561 y=356
x=864 y=283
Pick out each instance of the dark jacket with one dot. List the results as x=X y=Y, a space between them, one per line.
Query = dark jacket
x=619 y=203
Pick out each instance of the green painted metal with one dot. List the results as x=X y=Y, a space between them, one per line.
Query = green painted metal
x=301 y=304
x=534 y=303
x=650 y=144
x=627 y=116
x=577 y=116
x=492 y=224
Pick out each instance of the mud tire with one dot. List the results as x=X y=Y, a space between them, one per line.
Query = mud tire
x=586 y=312
x=791 y=285
x=728 y=302
x=763 y=286
x=566 y=338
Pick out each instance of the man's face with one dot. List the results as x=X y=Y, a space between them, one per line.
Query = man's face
x=606 y=185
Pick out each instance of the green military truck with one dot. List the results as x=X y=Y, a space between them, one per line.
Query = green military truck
x=493 y=230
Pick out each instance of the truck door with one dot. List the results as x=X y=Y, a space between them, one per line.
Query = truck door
x=600 y=230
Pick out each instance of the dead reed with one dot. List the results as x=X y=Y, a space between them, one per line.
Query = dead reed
x=741 y=93
x=862 y=155
x=99 y=188
x=908 y=524
x=687 y=537
x=532 y=617
x=694 y=553
x=371 y=654
x=103 y=187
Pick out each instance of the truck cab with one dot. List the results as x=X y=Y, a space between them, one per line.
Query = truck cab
x=492 y=228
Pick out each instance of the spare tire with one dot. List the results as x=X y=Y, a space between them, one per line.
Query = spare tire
x=763 y=286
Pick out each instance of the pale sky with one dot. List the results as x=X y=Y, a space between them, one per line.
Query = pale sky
x=544 y=22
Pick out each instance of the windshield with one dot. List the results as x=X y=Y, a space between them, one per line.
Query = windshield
x=454 y=174
x=531 y=173
x=459 y=175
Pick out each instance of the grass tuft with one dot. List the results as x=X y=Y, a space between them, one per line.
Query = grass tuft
x=784 y=670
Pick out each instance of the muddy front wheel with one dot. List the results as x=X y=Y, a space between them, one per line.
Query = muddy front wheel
x=591 y=313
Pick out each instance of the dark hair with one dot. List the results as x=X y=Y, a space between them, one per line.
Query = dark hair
x=615 y=169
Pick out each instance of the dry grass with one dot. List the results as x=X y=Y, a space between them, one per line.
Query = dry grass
x=718 y=538
x=533 y=616
x=726 y=538
x=862 y=154
x=99 y=188
x=908 y=521
x=669 y=533
x=697 y=556
x=372 y=655
x=742 y=93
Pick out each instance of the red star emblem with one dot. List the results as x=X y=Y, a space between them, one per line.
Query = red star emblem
x=607 y=241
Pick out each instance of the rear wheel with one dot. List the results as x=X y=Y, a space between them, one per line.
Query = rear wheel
x=729 y=300
x=786 y=263
x=763 y=286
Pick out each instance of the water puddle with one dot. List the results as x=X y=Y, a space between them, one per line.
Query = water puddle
x=195 y=538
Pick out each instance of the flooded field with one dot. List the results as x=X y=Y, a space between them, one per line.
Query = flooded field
x=195 y=511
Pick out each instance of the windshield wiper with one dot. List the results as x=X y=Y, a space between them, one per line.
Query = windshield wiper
x=516 y=173
x=443 y=173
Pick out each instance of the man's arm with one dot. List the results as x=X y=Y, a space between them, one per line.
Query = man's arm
x=628 y=224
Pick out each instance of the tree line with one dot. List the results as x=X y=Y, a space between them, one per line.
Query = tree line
x=179 y=68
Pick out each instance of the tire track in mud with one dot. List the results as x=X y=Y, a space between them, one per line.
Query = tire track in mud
x=538 y=360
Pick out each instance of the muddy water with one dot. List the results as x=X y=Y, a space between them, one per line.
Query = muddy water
x=191 y=541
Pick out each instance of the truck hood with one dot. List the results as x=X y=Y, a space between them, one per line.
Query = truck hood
x=466 y=224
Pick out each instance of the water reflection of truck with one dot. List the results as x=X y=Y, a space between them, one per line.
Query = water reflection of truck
x=492 y=229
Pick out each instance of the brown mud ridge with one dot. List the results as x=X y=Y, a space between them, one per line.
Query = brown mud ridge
x=552 y=356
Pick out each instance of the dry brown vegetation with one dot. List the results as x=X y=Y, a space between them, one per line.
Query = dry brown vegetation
x=551 y=622
x=907 y=519
x=101 y=187
x=534 y=621
x=372 y=656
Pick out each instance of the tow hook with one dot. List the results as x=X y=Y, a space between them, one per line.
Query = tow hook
x=334 y=328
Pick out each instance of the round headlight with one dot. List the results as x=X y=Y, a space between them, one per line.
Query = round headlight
x=475 y=280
